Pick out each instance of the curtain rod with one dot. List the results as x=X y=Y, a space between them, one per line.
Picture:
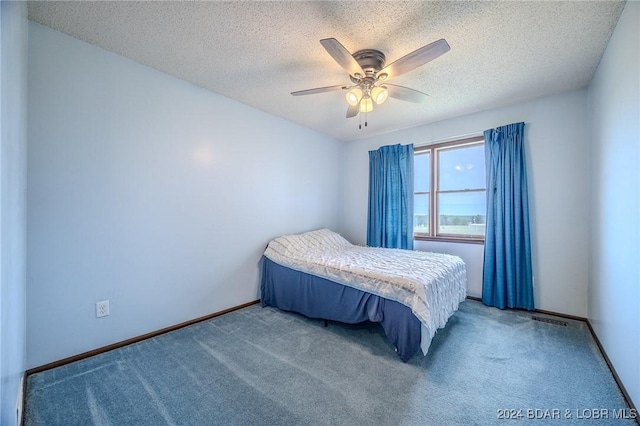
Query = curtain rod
x=452 y=138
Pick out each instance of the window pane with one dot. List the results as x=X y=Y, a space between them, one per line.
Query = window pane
x=421 y=172
x=461 y=168
x=462 y=213
x=421 y=213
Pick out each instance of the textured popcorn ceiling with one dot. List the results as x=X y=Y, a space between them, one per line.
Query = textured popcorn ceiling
x=259 y=52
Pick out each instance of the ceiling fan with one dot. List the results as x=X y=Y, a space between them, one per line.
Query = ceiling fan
x=369 y=75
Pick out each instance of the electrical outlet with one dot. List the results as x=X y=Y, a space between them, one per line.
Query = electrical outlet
x=102 y=309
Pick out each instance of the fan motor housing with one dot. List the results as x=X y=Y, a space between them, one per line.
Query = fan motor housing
x=370 y=60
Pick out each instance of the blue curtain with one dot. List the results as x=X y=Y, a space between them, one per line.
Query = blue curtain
x=390 y=217
x=507 y=279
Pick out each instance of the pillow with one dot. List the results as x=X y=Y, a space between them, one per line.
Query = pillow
x=297 y=245
x=322 y=238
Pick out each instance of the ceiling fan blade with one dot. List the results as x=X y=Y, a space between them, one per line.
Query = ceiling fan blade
x=406 y=94
x=319 y=90
x=415 y=59
x=342 y=56
x=352 y=111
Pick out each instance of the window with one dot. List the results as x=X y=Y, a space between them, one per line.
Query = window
x=450 y=191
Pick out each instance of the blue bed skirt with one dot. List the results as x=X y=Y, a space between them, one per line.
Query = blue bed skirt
x=316 y=297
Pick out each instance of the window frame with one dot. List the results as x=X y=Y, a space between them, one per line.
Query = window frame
x=433 y=191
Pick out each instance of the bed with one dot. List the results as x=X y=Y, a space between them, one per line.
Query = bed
x=322 y=275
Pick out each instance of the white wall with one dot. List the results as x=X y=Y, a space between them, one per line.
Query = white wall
x=556 y=141
x=153 y=193
x=13 y=170
x=614 y=287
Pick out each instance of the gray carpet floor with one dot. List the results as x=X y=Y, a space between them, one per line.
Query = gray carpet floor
x=261 y=366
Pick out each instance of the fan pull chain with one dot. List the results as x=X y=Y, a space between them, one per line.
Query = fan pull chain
x=365 y=120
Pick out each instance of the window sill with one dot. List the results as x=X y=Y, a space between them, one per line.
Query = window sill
x=448 y=239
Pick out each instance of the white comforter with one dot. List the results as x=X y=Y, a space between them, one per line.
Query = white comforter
x=431 y=284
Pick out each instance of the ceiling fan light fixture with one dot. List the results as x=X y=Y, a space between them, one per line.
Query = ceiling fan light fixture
x=353 y=96
x=366 y=104
x=379 y=94
x=368 y=74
